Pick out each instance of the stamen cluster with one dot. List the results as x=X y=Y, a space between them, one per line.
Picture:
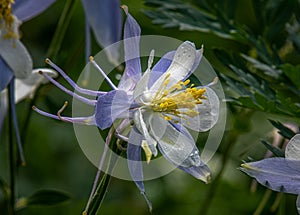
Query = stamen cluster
x=6 y=17
x=179 y=100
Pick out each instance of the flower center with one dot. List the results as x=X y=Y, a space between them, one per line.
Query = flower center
x=179 y=100
x=7 y=18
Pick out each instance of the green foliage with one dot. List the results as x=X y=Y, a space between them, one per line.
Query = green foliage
x=283 y=130
x=259 y=75
x=261 y=71
x=45 y=197
x=275 y=150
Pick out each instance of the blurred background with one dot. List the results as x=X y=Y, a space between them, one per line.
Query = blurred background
x=227 y=29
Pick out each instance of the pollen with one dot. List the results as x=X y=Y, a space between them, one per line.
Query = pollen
x=7 y=18
x=179 y=100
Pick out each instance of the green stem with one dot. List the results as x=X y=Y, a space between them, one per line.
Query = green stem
x=214 y=185
x=11 y=157
x=98 y=194
x=61 y=29
x=53 y=49
x=263 y=202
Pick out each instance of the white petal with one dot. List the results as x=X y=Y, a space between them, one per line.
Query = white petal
x=26 y=87
x=292 y=150
x=36 y=78
x=209 y=113
x=15 y=54
x=175 y=145
x=143 y=128
x=180 y=67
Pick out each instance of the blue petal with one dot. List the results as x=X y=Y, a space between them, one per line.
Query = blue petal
x=134 y=161
x=27 y=9
x=105 y=19
x=6 y=74
x=15 y=120
x=160 y=67
x=133 y=71
x=278 y=174
x=134 y=158
x=110 y=106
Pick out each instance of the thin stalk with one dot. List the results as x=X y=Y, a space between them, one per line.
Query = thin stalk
x=11 y=157
x=214 y=185
x=276 y=203
x=53 y=49
x=263 y=202
x=100 y=186
x=100 y=166
x=61 y=29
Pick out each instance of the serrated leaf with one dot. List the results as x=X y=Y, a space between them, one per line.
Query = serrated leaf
x=186 y=16
x=48 y=197
x=283 y=130
x=267 y=105
x=275 y=150
x=247 y=101
x=268 y=70
x=293 y=73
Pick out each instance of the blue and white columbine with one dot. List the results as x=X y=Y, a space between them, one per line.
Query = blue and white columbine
x=156 y=106
x=15 y=61
x=279 y=174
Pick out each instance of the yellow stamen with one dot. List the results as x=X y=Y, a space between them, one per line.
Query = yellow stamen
x=176 y=101
x=147 y=151
x=7 y=18
x=168 y=118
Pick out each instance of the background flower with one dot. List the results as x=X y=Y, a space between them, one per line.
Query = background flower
x=279 y=174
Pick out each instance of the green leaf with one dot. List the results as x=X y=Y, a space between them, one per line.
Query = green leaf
x=293 y=73
x=268 y=70
x=48 y=197
x=186 y=16
x=283 y=130
x=247 y=102
x=5 y=188
x=265 y=103
x=275 y=150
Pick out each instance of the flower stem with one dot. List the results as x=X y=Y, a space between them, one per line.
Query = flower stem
x=263 y=202
x=11 y=157
x=100 y=186
x=61 y=29
x=232 y=137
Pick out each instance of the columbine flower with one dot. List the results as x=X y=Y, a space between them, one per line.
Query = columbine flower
x=15 y=61
x=279 y=174
x=157 y=106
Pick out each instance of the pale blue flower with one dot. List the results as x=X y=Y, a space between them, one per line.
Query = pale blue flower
x=279 y=174
x=15 y=61
x=157 y=105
